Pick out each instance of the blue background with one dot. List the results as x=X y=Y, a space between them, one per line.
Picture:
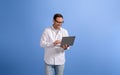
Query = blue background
x=95 y=23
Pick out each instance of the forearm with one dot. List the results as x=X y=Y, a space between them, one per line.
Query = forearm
x=46 y=44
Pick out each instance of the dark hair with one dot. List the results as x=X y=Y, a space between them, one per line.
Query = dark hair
x=57 y=15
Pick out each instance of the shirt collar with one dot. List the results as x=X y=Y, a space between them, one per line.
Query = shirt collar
x=54 y=28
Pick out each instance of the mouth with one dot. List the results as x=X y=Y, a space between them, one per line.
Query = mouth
x=58 y=25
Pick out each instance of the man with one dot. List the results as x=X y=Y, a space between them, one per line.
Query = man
x=54 y=54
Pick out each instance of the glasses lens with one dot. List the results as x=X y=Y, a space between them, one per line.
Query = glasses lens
x=59 y=22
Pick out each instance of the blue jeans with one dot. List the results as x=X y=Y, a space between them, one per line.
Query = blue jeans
x=54 y=69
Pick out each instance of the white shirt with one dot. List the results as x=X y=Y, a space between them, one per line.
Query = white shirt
x=54 y=55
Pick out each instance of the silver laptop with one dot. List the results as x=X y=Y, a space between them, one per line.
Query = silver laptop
x=69 y=40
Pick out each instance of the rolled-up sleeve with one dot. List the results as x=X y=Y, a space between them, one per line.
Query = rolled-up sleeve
x=44 y=40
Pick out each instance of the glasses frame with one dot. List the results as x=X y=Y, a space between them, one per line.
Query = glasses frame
x=59 y=22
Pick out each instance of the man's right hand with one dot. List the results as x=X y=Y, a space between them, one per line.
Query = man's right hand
x=57 y=42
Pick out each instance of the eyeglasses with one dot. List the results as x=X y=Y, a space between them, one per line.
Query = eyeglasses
x=59 y=22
